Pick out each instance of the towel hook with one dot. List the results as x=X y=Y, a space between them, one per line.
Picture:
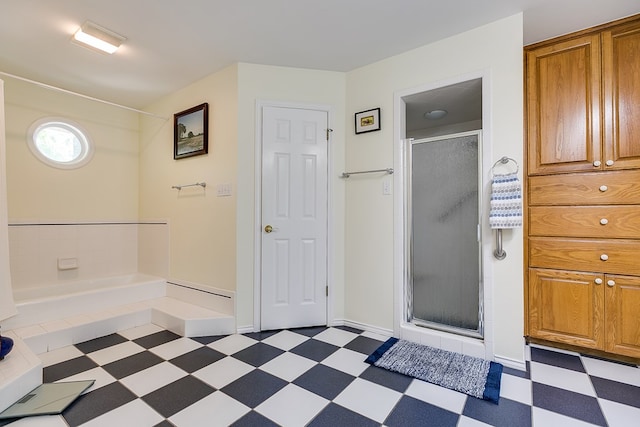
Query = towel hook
x=503 y=161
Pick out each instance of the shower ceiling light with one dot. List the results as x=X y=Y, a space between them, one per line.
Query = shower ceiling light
x=435 y=114
x=96 y=37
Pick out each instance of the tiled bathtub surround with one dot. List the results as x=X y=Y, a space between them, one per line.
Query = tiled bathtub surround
x=101 y=250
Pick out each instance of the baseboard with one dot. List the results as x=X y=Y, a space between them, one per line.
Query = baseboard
x=363 y=326
x=511 y=363
x=245 y=329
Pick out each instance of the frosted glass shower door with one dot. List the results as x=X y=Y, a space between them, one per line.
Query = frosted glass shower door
x=445 y=290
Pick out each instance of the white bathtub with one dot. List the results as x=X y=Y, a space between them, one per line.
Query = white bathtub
x=60 y=301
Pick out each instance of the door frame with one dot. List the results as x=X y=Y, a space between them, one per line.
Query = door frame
x=401 y=327
x=257 y=218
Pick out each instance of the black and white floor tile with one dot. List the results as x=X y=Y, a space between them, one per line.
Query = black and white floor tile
x=317 y=377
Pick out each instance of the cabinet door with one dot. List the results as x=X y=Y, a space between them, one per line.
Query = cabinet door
x=621 y=76
x=563 y=106
x=622 y=315
x=567 y=307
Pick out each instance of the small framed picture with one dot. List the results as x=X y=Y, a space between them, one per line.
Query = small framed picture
x=368 y=121
x=191 y=132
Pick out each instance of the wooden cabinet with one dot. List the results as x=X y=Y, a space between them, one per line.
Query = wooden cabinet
x=621 y=90
x=566 y=307
x=592 y=310
x=583 y=112
x=622 y=306
x=582 y=199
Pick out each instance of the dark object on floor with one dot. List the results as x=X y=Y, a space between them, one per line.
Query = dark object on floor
x=5 y=347
x=470 y=375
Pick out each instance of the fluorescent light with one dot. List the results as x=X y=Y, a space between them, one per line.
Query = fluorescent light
x=97 y=37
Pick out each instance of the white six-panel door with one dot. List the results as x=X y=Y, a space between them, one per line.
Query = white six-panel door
x=294 y=218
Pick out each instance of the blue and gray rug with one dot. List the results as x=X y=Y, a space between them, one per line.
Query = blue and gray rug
x=476 y=377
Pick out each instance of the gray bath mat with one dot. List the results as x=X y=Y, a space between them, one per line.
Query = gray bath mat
x=470 y=375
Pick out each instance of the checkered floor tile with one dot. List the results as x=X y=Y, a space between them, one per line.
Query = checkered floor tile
x=317 y=377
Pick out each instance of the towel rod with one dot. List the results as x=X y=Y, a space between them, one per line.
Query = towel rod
x=180 y=187
x=348 y=174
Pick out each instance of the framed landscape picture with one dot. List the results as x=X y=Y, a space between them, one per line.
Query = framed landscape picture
x=368 y=121
x=191 y=132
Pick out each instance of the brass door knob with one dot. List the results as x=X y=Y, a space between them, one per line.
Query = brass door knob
x=268 y=229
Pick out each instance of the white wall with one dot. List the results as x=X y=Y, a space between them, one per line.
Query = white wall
x=104 y=189
x=202 y=226
x=494 y=49
x=7 y=307
x=268 y=83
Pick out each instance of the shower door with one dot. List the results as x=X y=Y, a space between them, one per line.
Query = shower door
x=445 y=290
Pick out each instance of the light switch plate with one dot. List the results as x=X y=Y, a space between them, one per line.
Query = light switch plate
x=223 y=190
x=386 y=187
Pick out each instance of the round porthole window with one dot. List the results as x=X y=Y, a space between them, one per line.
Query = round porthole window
x=60 y=143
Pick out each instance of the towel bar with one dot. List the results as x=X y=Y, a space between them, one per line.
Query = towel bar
x=180 y=187
x=348 y=174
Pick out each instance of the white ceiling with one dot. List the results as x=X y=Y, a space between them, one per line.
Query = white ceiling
x=172 y=43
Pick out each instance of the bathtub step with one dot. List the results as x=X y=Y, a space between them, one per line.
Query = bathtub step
x=20 y=372
x=183 y=318
x=189 y=320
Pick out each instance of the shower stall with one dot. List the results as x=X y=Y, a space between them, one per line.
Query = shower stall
x=443 y=209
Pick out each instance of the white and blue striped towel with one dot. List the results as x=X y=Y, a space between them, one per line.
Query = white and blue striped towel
x=506 y=202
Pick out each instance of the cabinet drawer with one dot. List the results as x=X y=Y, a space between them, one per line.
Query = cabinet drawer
x=606 y=256
x=595 y=188
x=615 y=222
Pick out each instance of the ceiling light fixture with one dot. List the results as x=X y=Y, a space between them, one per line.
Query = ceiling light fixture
x=435 y=114
x=96 y=37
